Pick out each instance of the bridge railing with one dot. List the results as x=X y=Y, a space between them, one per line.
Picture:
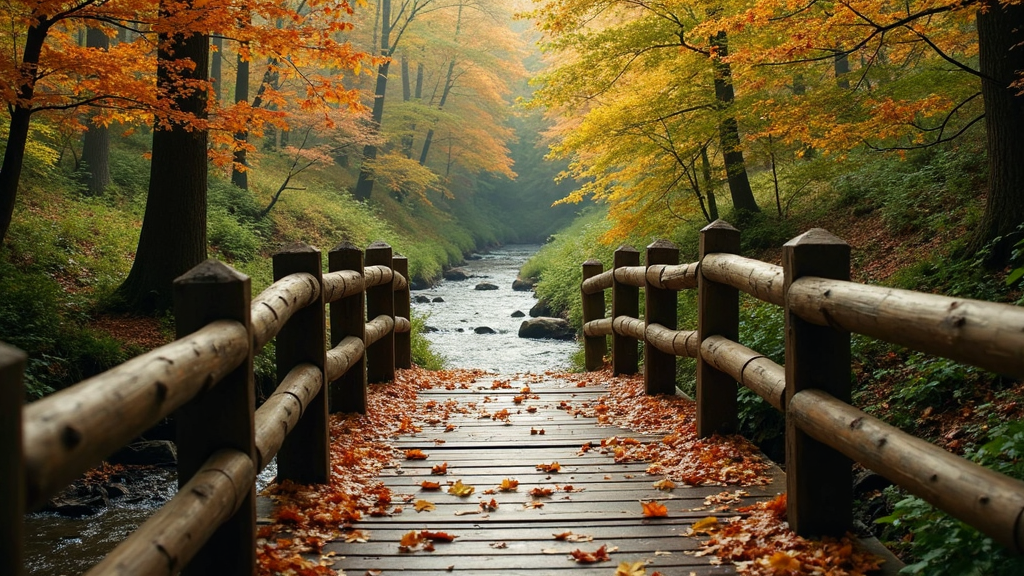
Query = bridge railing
x=205 y=380
x=822 y=308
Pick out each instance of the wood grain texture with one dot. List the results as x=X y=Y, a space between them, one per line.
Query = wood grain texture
x=761 y=280
x=346 y=366
x=625 y=302
x=272 y=309
x=717 y=315
x=749 y=367
x=595 y=346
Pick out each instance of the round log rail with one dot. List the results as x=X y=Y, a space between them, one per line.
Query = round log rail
x=985 y=334
x=173 y=535
x=602 y=327
x=275 y=305
x=759 y=279
x=277 y=417
x=342 y=284
x=377 y=276
x=377 y=329
x=68 y=432
x=676 y=342
x=748 y=367
x=402 y=325
x=987 y=500
x=631 y=327
x=602 y=281
x=673 y=276
x=342 y=357
x=631 y=275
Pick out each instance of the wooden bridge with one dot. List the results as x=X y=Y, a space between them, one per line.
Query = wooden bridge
x=205 y=380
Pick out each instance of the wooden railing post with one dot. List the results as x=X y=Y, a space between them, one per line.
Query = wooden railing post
x=348 y=318
x=12 y=461
x=625 y=302
x=305 y=453
x=717 y=315
x=403 y=308
x=221 y=416
x=819 y=479
x=594 y=347
x=660 y=308
x=380 y=301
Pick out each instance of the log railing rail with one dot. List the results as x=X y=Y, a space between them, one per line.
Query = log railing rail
x=204 y=379
x=824 y=433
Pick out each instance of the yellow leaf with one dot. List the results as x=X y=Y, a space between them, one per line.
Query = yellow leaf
x=707 y=525
x=460 y=489
x=632 y=569
x=424 y=505
x=664 y=484
x=783 y=563
x=508 y=485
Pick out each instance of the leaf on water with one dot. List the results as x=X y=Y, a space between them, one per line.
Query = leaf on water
x=654 y=509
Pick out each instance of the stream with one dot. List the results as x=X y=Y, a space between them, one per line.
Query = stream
x=59 y=546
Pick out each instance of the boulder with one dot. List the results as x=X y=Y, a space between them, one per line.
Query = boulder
x=546 y=327
x=540 y=310
x=437 y=299
x=429 y=329
x=520 y=285
x=455 y=274
x=484 y=330
x=518 y=314
x=421 y=299
x=151 y=452
x=486 y=286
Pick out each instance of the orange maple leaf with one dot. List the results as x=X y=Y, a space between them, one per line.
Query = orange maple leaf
x=654 y=509
x=415 y=454
x=428 y=485
x=508 y=485
x=440 y=469
x=599 y=555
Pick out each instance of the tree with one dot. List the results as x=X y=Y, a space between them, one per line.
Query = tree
x=173 y=237
x=96 y=140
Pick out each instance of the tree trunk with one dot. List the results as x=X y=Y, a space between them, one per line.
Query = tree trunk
x=1001 y=58
x=96 y=140
x=239 y=175
x=173 y=237
x=728 y=129
x=841 y=64
x=17 y=135
x=709 y=183
x=364 y=186
x=216 y=68
x=448 y=82
x=406 y=97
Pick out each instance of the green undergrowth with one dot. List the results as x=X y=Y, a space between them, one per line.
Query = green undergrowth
x=926 y=204
x=66 y=252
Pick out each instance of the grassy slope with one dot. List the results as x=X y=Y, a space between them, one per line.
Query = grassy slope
x=66 y=253
x=907 y=222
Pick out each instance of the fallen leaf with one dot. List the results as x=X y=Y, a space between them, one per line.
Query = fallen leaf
x=508 y=485
x=498 y=545
x=707 y=525
x=664 y=484
x=357 y=536
x=437 y=536
x=539 y=492
x=553 y=467
x=562 y=536
x=424 y=505
x=632 y=569
x=439 y=469
x=783 y=563
x=534 y=504
x=599 y=555
x=428 y=485
x=460 y=489
x=654 y=509
x=467 y=512
x=410 y=541
x=489 y=506
x=416 y=454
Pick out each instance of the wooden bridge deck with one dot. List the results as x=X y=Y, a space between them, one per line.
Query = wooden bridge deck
x=516 y=539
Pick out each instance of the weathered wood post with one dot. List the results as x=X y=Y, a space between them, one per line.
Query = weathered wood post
x=717 y=315
x=305 y=453
x=380 y=301
x=625 y=302
x=819 y=479
x=403 y=309
x=12 y=461
x=594 y=347
x=660 y=308
x=219 y=417
x=348 y=318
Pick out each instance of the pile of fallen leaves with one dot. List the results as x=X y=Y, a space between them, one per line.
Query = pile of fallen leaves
x=681 y=455
x=310 y=516
x=761 y=543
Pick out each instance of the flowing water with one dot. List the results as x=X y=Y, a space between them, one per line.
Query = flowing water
x=464 y=309
x=56 y=545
